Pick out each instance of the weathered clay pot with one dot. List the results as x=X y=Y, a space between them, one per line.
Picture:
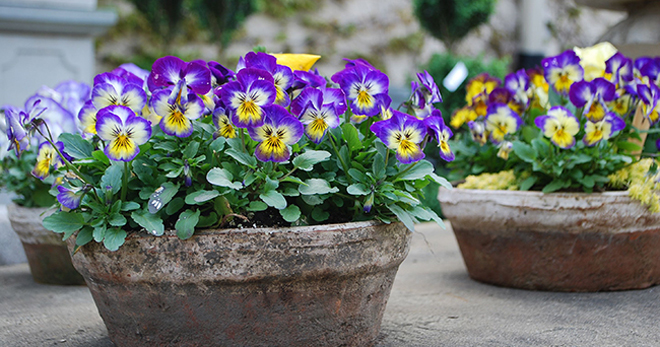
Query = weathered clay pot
x=47 y=254
x=558 y=241
x=299 y=286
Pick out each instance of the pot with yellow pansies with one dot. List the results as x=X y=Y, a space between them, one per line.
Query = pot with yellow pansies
x=258 y=207
x=558 y=188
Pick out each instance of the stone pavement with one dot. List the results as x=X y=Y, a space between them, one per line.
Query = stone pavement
x=433 y=303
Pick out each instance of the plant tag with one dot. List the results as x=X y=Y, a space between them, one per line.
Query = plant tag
x=455 y=77
x=641 y=122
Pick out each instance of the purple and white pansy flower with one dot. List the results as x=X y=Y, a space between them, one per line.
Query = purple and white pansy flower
x=442 y=133
x=501 y=121
x=364 y=87
x=595 y=132
x=177 y=109
x=253 y=90
x=593 y=96
x=403 y=133
x=560 y=126
x=168 y=71
x=317 y=115
x=562 y=71
x=278 y=131
x=123 y=132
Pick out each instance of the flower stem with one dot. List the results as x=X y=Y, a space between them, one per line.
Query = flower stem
x=404 y=171
x=124 y=182
x=343 y=163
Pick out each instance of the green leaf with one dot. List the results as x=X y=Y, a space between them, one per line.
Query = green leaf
x=168 y=146
x=316 y=186
x=312 y=200
x=191 y=149
x=524 y=151
x=274 y=199
x=351 y=136
x=174 y=206
x=291 y=213
x=84 y=236
x=289 y=191
x=223 y=178
x=358 y=175
x=426 y=214
x=378 y=166
x=628 y=146
x=101 y=157
x=319 y=215
x=541 y=146
x=99 y=233
x=271 y=184
x=185 y=225
x=358 y=189
x=439 y=180
x=64 y=222
x=129 y=206
x=528 y=183
x=307 y=160
x=555 y=185
x=403 y=216
x=152 y=223
x=256 y=206
x=114 y=238
x=161 y=196
x=207 y=221
x=116 y=220
x=112 y=177
x=218 y=144
x=75 y=146
x=115 y=207
x=201 y=196
x=420 y=170
x=242 y=158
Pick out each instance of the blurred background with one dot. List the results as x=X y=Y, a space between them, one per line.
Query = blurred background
x=47 y=41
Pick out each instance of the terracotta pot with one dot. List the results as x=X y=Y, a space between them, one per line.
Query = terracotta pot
x=47 y=254
x=299 y=286
x=559 y=241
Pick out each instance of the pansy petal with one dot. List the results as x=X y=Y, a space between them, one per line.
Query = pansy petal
x=198 y=78
x=107 y=124
x=139 y=128
x=166 y=71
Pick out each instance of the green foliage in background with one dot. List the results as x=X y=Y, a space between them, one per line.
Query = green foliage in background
x=219 y=17
x=15 y=177
x=440 y=65
x=451 y=20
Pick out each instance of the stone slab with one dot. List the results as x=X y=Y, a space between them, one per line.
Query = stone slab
x=433 y=303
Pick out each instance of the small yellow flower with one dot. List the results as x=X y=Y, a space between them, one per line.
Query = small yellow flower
x=302 y=62
x=503 y=180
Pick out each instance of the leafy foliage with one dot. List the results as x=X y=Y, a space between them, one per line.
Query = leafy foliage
x=451 y=20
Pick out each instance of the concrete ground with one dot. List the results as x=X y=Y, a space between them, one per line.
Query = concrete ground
x=433 y=303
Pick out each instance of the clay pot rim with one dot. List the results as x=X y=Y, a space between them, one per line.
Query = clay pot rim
x=317 y=228
x=536 y=193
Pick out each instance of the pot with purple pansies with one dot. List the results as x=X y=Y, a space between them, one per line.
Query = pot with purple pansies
x=25 y=173
x=257 y=207
x=561 y=189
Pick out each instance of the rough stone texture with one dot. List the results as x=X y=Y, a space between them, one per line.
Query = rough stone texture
x=433 y=304
x=46 y=253
x=299 y=286
x=383 y=31
x=559 y=241
x=11 y=251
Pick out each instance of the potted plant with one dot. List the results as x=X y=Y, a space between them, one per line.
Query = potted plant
x=573 y=206
x=24 y=173
x=267 y=206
